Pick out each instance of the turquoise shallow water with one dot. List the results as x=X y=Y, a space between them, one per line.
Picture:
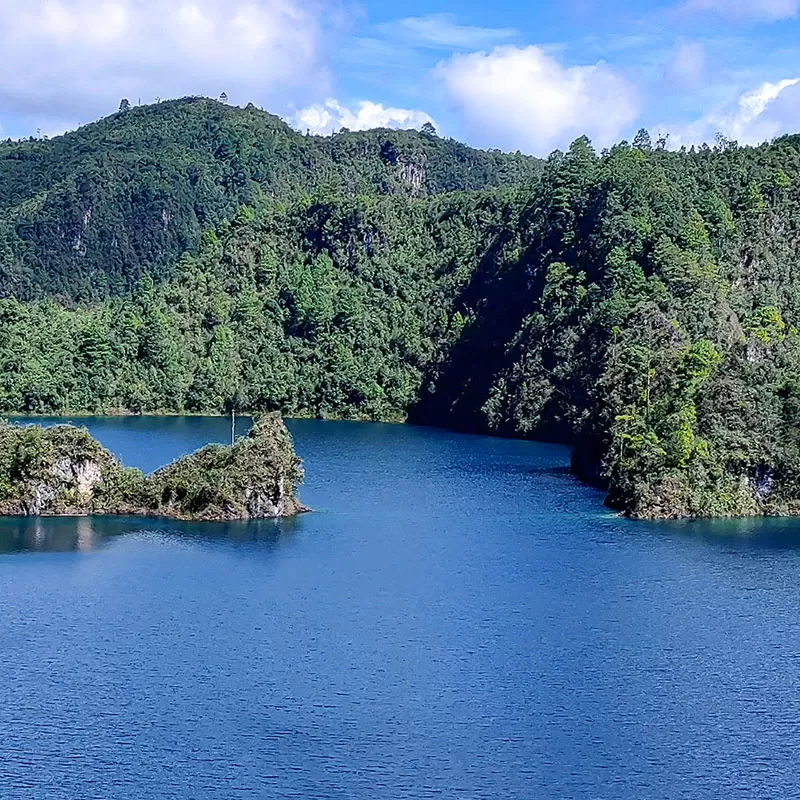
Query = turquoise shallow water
x=457 y=619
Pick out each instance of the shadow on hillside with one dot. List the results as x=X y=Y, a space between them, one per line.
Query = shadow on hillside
x=500 y=295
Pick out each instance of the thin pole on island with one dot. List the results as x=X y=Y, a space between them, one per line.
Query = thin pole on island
x=233 y=425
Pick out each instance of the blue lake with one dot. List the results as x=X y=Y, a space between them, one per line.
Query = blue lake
x=458 y=619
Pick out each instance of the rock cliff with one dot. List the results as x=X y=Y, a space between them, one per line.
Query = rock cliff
x=63 y=471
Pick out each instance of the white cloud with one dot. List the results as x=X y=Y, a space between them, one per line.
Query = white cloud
x=687 y=67
x=330 y=116
x=754 y=117
x=442 y=30
x=764 y=10
x=522 y=98
x=73 y=59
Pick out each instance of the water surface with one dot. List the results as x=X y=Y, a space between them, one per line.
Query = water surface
x=457 y=619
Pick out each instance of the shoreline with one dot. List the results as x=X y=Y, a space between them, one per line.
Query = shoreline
x=765 y=512
x=122 y=414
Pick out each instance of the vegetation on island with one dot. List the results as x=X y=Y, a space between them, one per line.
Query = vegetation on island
x=63 y=471
x=640 y=304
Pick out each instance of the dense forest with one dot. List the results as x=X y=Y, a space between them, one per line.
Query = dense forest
x=85 y=215
x=641 y=305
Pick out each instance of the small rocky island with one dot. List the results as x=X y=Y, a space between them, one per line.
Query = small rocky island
x=63 y=471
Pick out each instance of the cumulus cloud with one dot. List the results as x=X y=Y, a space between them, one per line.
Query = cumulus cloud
x=71 y=59
x=330 y=116
x=687 y=66
x=765 y=10
x=754 y=117
x=523 y=98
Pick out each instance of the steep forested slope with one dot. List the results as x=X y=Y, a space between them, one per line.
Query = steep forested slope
x=652 y=319
x=87 y=214
x=642 y=305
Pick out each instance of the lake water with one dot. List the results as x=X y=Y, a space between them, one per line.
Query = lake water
x=458 y=619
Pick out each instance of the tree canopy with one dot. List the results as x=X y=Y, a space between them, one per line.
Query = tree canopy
x=641 y=305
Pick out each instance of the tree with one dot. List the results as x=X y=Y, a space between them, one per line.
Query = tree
x=642 y=140
x=429 y=129
x=124 y=105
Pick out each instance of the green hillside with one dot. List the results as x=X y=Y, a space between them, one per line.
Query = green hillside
x=651 y=318
x=87 y=214
x=641 y=305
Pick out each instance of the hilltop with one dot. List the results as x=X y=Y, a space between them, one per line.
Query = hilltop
x=86 y=215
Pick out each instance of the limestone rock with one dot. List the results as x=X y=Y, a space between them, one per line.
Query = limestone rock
x=63 y=471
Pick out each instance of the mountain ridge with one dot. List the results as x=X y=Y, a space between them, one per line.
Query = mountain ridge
x=86 y=214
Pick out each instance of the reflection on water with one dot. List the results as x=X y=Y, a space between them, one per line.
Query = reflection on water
x=84 y=534
x=74 y=534
x=768 y=533
x=458 y=619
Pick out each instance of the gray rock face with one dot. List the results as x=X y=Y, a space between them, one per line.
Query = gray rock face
x=68 y=478
x=412 y=174
x=83 y=475
x=261 y=505
x=40 y=500
x=762 y=484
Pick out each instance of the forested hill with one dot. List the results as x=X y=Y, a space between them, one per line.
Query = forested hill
x=651 y=317
x=86 y=215
x=641 y=305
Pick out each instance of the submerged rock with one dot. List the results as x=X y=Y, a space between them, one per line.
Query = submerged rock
x=63 y=471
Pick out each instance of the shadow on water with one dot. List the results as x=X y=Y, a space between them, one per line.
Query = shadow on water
x=751 y=533
x=547 y=471
x=84 y=534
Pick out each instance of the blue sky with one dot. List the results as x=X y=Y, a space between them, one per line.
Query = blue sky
x=510 y=74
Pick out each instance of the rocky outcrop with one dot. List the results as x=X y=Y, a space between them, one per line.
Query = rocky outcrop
x=757 y=492
x=63 y=471
x=253 y=479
